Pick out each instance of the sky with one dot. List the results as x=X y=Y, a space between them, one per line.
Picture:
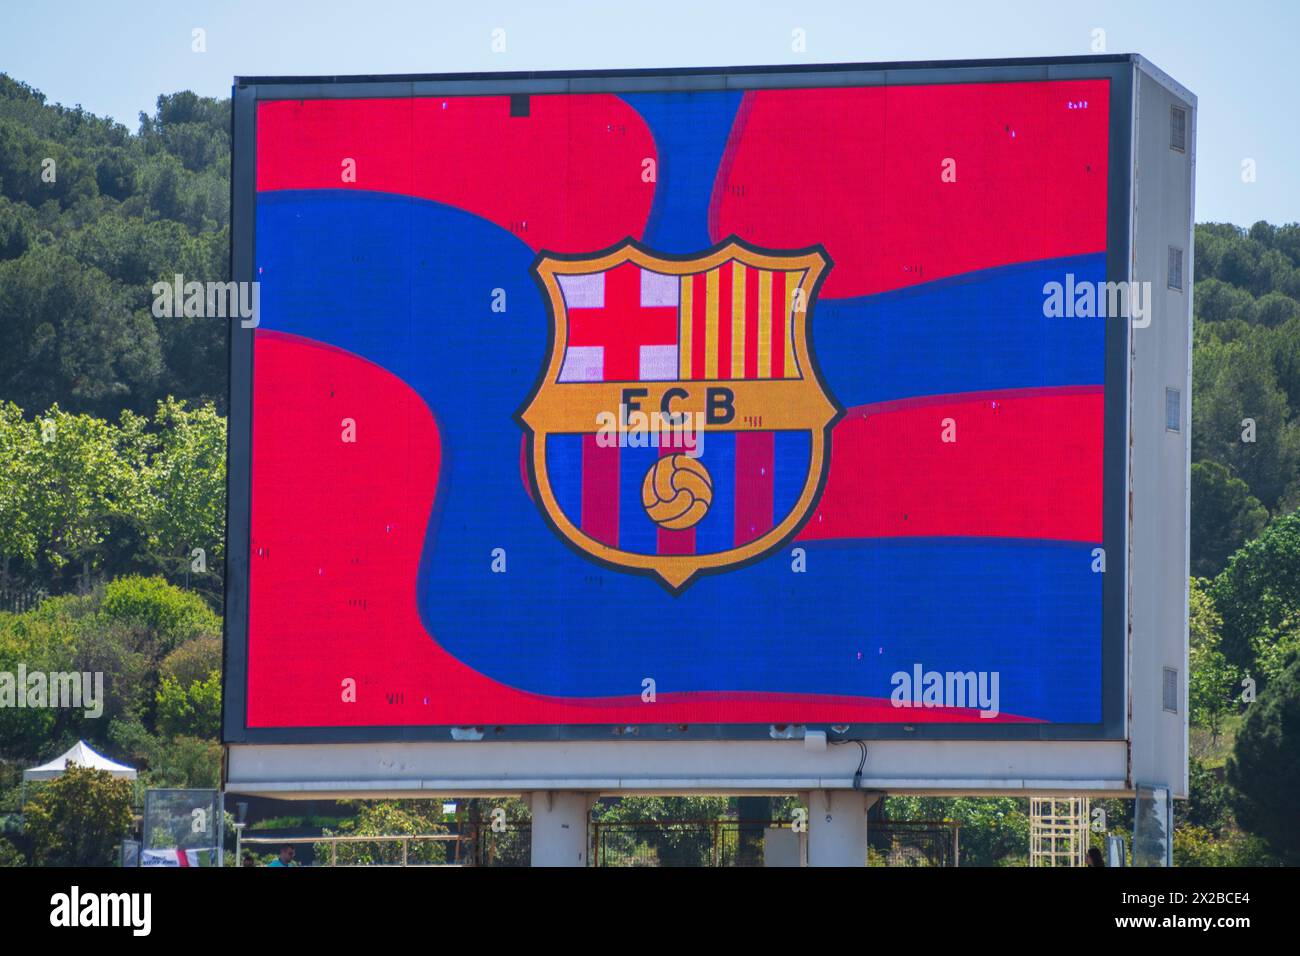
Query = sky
x=1239 y=58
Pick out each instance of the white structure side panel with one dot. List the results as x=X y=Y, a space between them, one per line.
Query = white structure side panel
x=1163 y=179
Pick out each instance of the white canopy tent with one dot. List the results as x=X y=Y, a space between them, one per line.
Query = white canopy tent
x=82 y=756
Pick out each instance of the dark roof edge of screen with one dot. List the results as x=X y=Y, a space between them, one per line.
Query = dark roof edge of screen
x=691 y=70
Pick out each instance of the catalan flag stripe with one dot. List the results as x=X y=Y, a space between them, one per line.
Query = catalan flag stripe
x=776 y=324
x=750 y=352
x=699 y=306
x=726 y=300
x=686 y=323
x=711 y=282
x=792 y=282
x=739 y=286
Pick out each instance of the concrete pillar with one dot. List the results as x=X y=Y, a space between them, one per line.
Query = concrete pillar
x=837 y=827
x=559 y=831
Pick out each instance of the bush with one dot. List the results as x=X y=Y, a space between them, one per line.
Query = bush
x=174 y=616
x=9 y=855
x=194 y=660
x=1264 y=769
x=193 y=711
x=79 y=818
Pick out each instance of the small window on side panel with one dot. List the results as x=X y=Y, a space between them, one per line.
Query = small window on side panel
x=1178 y=129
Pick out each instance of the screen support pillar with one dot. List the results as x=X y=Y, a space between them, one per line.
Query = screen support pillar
x=559 y=829
x=837 y=826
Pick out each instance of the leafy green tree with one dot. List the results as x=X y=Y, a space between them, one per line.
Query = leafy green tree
x=1217 y=301
x=1264 y=769
x=194 y=660
x=81 y=248
x=994 y=830
x=82 y=473
x=672 y=835
x=1286 y=361
x=389 y=818
x=1207 y=802
x=170 y=615
x=88 y=498
x=1212 y=681
x=1276 y=309
x=1258 y=593
x=1240 y=416
x=79 y=818
x=185 y=506
x=19 y=533
x=125 y=631
x=193 y=711
x=177 y=762
x=9 y=855
x=1198 y=846
x=25 y=731
x=72 y=336
x=15 y=228
x=1225 y=515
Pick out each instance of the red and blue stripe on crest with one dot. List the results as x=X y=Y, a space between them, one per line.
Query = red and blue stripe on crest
x=757 y=477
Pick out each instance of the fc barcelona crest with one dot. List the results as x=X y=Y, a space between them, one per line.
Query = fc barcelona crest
x=680 y=425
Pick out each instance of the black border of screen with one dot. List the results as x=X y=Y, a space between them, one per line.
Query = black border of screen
x=1119 y=69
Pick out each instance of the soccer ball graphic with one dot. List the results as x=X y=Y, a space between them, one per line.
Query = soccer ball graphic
x=677 y=492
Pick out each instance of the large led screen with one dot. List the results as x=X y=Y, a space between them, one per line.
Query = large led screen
x=680 y=408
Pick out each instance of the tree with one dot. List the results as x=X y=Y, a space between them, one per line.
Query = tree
x=80 y=249
x=994 y=830
x=1240 y=416
x=1264 y=769
x=71 y=335
x=1207 y=803
x=78 y=818
x=194 y=660
x=81 y=474
x=182 y=762
x=170 y=615
x=9 y=855
x=1258 y=593
x=127 y=631
x=190 y=711
x=672 y=832
x=1217 y=301
x=1212 y=681
x=1286 y=361
x=185 y=504
x=1225 y=515
x=389 y=818
x=1276 y=309
x=19 y=539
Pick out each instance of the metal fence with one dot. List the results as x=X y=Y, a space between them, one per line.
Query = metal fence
x=678 y=842
x=507 y=843
x=425 y=849
x=651 y=843
x=728 y=842
x=913 y=843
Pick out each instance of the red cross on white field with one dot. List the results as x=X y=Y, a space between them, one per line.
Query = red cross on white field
x=622 y=325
